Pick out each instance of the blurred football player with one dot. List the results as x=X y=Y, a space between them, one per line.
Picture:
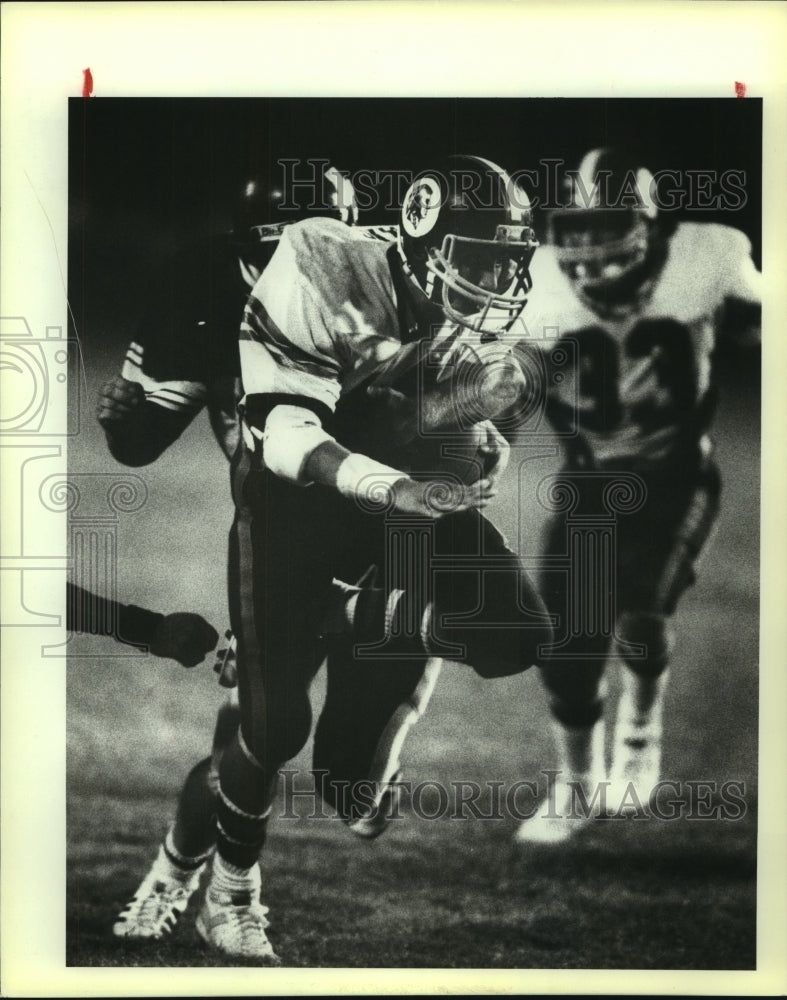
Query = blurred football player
x=335 y=315
x=643 y=299
x=185 y=358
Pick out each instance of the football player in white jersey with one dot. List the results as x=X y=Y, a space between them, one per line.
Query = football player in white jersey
x=184 y=359
x=333 y=316
x=641 y=301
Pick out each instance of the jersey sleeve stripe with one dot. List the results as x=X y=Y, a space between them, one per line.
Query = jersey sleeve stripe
x=262 y=373
x=176 y=398
x=309 y=367
x=258 y=325
x=135 y=354
x=385 y=234
x=170 y=394
x=171 y=402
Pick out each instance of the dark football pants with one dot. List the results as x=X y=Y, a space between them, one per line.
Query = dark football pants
x=286 y=545
x=656 y=549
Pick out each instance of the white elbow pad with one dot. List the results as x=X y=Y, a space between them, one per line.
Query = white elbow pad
x=291 y=434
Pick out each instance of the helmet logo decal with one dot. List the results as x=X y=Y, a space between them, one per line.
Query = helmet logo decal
x=421 y=206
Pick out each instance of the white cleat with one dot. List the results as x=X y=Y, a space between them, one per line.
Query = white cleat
x=386 y=806
x=384 y=771
x=157 y=903
x=579 y=793
x=235 y=924
x=568 y=808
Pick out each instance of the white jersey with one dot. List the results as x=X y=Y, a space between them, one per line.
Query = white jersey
x=324 y=317
x=634 y=389
x=323 y=308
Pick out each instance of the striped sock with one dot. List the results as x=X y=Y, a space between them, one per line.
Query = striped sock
x=177 y=866
x=181 y=866
x=230 y=878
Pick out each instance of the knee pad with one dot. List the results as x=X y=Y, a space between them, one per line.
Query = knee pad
x=653 y=631
x=494 y=616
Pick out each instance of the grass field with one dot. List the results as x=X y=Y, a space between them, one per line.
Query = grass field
x=442 y=893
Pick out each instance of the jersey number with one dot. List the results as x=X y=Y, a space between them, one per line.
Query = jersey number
x=655 y=392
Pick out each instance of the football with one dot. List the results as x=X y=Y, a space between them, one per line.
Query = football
x=386 y=428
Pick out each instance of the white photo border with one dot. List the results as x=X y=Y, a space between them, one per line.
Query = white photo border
x=514 y=49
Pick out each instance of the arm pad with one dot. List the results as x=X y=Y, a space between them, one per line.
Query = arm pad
x=291 y=434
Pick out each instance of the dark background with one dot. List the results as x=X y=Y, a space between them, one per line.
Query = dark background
x=149 y=176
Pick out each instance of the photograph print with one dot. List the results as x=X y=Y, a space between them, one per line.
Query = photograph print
x=413 y=523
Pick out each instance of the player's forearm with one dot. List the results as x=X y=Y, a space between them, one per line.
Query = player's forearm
x=297 y=448
x=322 y=464
x=353 y=474
x=90 y=613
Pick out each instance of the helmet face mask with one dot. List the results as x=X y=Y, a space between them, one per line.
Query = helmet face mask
x=598 y=245
x=466 y=243
x=482 y=277
x=608 y=243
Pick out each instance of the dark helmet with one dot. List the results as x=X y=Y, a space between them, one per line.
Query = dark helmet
x=609 y=240
x=466 y=242
x=268 y=203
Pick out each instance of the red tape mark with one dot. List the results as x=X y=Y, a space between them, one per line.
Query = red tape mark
x=87 y=82
x=740 y=89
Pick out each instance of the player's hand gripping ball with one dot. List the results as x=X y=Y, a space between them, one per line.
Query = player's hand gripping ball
x=384 y=423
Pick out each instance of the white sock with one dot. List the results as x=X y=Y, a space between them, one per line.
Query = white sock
x=227 y=877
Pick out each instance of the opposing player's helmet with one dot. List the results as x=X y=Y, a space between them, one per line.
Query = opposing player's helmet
x=607 y=238
x=268 y=203
x=466 y=242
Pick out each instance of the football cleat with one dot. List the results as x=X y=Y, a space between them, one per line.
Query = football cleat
x=235 y=924
x=567 y=809
x=579 y=793
x=376 y=821
x=385 y=767
x=157 y=903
